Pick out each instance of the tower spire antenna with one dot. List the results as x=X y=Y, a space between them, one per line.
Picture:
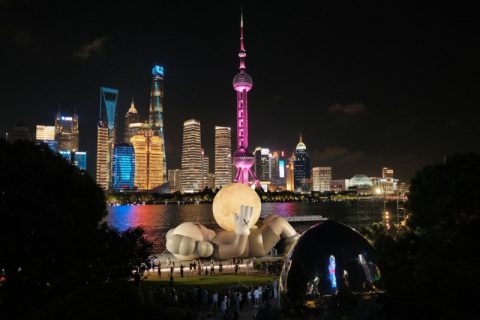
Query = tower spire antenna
x=242 y=54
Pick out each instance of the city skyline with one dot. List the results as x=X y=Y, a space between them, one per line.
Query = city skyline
x=363 y=97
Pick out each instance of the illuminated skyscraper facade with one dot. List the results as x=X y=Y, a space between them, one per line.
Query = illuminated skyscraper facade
x=289 y=168
x=205 y=169
x=123 y=167
x=132 y=120
x=301 y=169
x=242 y=83
x=321 y=178
x=155 y=118
x=278 y=163
x=46 y=134
x=148 y=159
x=103 y=156
x=106 y=136
x=174 y=180
x=263 y=166
x=387 y=173
x=66 y=132
x=223 y=156
x=192 y=166
x=78 y=158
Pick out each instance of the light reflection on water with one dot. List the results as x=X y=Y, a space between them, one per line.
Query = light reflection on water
x=156 y=220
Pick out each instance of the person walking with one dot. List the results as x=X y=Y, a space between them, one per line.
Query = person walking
x=214 y=305
x=223 y=306
x=159 y=270
x=181 y=270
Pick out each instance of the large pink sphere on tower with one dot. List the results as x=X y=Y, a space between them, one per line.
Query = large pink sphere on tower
x=242 y=82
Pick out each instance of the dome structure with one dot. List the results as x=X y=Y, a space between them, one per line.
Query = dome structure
x=360 y=180
x=327 y=258
x=301 y=146
x=242 y=81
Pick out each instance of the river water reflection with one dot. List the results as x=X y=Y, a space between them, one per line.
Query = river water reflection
x=156 y=220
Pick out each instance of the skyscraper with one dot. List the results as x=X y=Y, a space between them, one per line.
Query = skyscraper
x=387 y=172
x=80 y=159
x=279 y=164
x=290 y=173
x=321 y=178
x=77 y=158
x=148 y=159
x=263 y=167
x=103 y=156
x=223 y=156
x=301 y=169
x=123 y=167
x=46 y=134
x=242 y=83
x=155 y=118
x=131 y=117
x=106 y=136
x=66 y=132
x=174 y=180
x=205 y=169
x=192 y=167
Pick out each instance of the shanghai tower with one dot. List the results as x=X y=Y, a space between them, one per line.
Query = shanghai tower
x=242 y=83
x=156 y=111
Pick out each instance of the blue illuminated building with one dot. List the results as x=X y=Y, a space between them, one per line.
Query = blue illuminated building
x=301 y=169
x=67 y=155
x=78 y=158
x=123 y=167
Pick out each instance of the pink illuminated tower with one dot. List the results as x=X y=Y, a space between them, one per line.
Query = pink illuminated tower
x=242 y=83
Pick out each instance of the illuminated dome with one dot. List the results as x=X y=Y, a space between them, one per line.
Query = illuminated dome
x=327 y=258
x=301 y=146
x=242 y=81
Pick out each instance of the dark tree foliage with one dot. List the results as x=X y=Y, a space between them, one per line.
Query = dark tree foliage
x=431 y=267
x=446 y=194
x=54 y=250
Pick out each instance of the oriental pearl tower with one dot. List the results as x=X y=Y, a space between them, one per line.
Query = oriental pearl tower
x=242 y=83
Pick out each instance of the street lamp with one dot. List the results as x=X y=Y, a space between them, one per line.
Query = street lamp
x=387 y=219
x=385 y=212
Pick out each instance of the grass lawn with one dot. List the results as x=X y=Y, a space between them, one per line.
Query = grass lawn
x=216 y=282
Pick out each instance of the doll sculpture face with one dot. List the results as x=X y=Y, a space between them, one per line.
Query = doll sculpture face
x=227 y=202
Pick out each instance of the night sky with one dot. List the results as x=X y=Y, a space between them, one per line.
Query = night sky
x=367 y=85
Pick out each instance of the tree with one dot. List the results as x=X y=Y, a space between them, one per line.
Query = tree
x=446 y=194
x=53 y=245
x=431 y=268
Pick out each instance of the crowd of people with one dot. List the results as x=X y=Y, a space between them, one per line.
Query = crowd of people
x=226 y=303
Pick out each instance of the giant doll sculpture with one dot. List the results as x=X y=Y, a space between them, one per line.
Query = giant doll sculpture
x=236 y=209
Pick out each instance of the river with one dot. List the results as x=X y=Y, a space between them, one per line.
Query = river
x=156 y=220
